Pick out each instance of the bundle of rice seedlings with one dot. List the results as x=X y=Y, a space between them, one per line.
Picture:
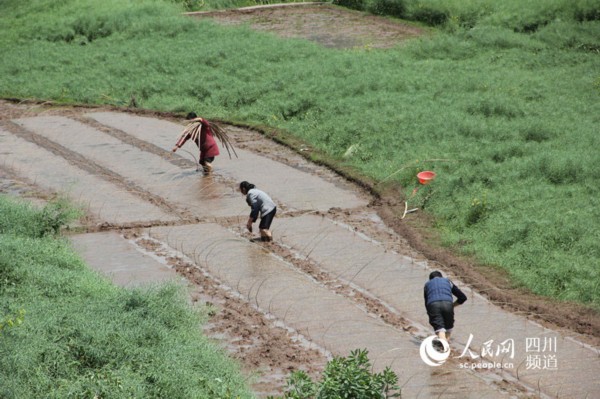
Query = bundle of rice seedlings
x=194 y=128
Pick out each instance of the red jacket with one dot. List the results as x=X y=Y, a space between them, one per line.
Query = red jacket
x=206 y=142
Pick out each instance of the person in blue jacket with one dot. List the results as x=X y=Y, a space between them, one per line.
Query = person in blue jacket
x=260 y=203
x=440 y=303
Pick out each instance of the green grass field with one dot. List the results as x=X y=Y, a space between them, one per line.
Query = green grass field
x=76 y=335
x=502 y=101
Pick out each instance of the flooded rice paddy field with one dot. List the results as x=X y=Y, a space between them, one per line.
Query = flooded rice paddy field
x=343 y=271
x=336 y=277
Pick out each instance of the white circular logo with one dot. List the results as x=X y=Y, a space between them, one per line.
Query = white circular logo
x=430 y=355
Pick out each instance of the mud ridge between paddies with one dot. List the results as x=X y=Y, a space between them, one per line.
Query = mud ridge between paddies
x=417 y=234
x=129 y=151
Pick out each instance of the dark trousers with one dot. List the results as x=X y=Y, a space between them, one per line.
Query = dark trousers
x=441 y=315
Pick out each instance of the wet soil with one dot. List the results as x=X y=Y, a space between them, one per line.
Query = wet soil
x=271 y=351
x=268 y=351
x=328 y=25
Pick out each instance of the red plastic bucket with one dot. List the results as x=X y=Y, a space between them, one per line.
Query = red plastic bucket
x=425 y=176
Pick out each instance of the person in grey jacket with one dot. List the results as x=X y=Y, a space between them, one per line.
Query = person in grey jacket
x=260 y=203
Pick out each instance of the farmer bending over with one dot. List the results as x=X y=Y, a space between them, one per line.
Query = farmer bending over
x=259 y=202
x=439 y=303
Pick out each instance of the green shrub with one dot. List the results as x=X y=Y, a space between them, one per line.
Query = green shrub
x=352 y=4
x=34 y=222
x=55 y=215
x=428 y=15
x=345 y=377
x=393 y=8
x=477 y=211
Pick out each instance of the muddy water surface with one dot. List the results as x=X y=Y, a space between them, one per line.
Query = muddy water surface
x=334 y=276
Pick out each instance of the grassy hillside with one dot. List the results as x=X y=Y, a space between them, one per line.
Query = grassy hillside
x=502 y=102
x=74 y=334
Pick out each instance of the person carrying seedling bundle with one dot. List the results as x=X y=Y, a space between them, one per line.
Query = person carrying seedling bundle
x=259 y=202
x=438 y=292
x=201 y=132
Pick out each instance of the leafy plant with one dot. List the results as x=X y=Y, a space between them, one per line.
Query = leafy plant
x=345 y=377
x=55 y=215
x=12 y=320
x=477 y=211
x=24 y=219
